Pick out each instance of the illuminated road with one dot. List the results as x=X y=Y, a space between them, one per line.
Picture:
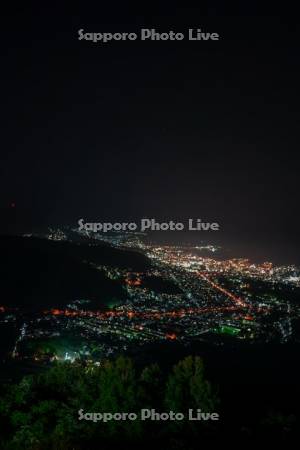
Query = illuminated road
x=237 y=300
x=156 y=315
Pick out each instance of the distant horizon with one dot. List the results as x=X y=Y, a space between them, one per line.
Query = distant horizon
x=257 y=249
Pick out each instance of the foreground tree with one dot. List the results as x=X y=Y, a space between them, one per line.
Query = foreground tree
x=41 y=412
x=187 y=387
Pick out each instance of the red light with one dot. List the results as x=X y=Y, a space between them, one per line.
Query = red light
x=171 y=336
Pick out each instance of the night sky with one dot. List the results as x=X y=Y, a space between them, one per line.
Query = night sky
x=169 y=130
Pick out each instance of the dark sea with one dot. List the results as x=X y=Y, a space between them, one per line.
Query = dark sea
x=258 y=247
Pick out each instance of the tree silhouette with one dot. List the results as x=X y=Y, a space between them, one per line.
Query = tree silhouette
x=187 y=387
x=41 y=412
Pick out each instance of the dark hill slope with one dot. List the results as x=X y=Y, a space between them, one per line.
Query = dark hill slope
x=38 y=273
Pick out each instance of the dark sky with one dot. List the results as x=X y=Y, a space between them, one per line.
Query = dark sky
x=169 y=130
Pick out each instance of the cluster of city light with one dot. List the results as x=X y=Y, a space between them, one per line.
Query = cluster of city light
x=209 y=298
